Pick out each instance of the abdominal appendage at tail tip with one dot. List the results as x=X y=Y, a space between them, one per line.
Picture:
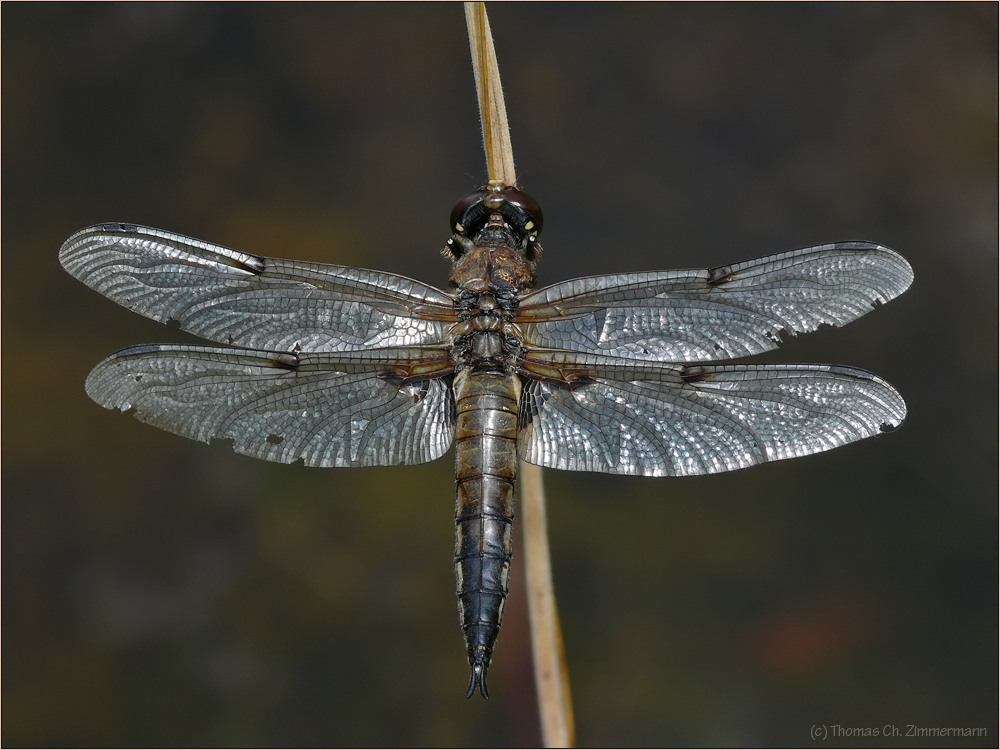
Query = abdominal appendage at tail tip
x=477 y=677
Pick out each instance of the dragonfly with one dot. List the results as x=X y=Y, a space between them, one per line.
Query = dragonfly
x=335 y=366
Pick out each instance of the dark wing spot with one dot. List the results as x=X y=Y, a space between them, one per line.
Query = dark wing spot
x=115 y=226
x=533 y=398
x=695 y=374
x=392 y=377
x=415 y=390
x=849 y=372
x=285 y=360
x=275 y=439
x=721 y=275
x=252 y=263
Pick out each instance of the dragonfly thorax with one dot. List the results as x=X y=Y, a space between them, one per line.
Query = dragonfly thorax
x=498 y=269
x=486 y=342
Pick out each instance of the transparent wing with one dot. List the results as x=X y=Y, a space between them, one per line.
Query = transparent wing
x=679 y=420
x=252 y=301
x=329 y=409
x=719 y=313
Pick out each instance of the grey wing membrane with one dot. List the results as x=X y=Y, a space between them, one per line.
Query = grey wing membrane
x=252 y=301
x=326 y=409
x=720 y=313
x=654 y=419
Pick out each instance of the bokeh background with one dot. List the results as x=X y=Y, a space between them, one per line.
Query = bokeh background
x=160 y=592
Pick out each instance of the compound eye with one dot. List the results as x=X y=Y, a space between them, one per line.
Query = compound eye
x=458 y=213
x=527 y=204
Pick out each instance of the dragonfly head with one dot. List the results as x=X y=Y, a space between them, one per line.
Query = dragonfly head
x=492 y=216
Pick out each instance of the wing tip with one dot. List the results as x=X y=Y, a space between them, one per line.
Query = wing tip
x=901 y=270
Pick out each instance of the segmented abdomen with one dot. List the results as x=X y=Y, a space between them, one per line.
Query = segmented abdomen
x=485 y=469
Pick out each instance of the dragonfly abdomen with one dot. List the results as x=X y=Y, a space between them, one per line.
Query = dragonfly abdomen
x=485 y=469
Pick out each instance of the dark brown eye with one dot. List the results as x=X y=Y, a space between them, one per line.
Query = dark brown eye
x=521 y=212
x=528 y=205
x=461 y=208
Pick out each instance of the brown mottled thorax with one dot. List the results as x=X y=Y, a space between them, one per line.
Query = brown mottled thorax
x=498 y=267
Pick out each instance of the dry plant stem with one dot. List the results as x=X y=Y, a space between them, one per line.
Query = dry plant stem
x=492 y=112
x=551 y=675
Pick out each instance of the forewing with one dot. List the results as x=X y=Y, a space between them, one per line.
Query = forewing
x=252 y=301
x=327 y=409
x=719 y=313
x=677 y=420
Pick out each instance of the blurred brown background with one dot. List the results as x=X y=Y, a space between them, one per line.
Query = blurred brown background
x=166 y=593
